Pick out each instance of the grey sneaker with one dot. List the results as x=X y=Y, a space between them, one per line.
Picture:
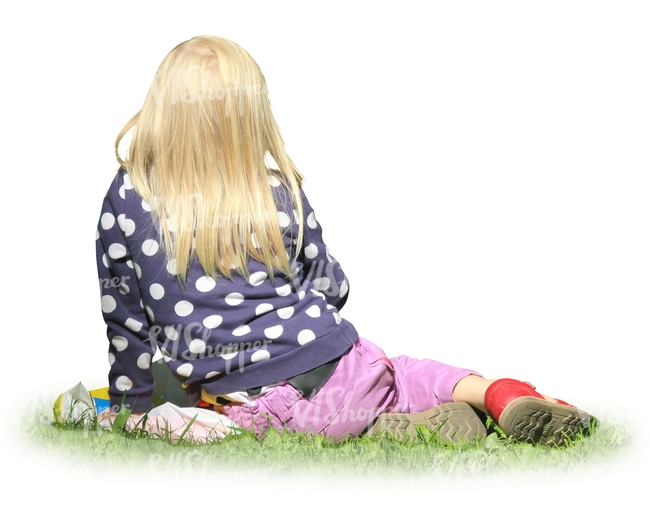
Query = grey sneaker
x=524 y=415
x=453 y=421
x=533 y=420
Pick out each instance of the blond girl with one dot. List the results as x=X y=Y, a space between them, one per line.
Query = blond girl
x=223 y=270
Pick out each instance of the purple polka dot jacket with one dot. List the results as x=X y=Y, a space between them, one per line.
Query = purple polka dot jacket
x=224 y=335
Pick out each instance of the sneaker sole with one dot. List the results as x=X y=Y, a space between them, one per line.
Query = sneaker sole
x=453 y=422
x=536 y=421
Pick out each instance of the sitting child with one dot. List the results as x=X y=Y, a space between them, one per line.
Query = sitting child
x=220 y=263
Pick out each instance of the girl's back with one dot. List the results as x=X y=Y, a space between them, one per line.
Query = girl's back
x=206 y=252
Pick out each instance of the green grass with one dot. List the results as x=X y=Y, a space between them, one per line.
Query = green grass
x=93 y=448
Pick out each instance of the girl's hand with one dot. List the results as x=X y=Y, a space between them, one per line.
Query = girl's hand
x=111 y=416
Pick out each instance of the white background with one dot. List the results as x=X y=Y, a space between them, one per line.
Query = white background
x=480 y=170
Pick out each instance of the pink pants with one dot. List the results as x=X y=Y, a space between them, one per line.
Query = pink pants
x=365 y=384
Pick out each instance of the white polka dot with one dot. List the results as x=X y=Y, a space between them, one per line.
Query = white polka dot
x=105 y=260
x=145 y=205
x=212 y=322
x=127 y=181
x=273 y=332
x=257 y=278
x=107 y=221
x=274 y=181
x=311 y=251
x=212 y=374
x=150 y=313
x=171 y=332
x=124 y=289
x=150 y=247
x=283 y=219
x=327 y=253
x=313 y=311
x=197 y=346
x=185 y=370
x=120 y=343
x=156 y=291
x=123 y=383
x=183 y=308
x=305 y=336
x=144 y=361
x=126 y=224
x=116 y=251
x=322 y=283
x=205 y=283
x=337 y=318
x=242 y=330
x=263 y=308
x=234 y=298
x=229 y=352
x=343 y=290
x=122 y=192
x=284 y=290
x=260 y=355
x=285 y=313
x=97 y=235
x=318 y=293
x=108 y=303
x=311 y=220
x=138 y=270
x=111 y=358
x=133 y=325
x=171 y=267
x=301 y=295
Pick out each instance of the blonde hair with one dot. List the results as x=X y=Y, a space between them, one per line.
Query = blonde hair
x=198 y=157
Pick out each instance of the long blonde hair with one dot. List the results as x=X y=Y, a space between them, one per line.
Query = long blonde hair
x=198 y=157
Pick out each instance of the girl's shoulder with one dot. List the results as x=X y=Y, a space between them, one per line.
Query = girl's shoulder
x=122 y=196
x=281 y=188
x=121 y=181
x=281 y=184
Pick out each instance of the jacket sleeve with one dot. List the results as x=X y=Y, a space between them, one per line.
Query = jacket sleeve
x=130 y=348
x=319 y=265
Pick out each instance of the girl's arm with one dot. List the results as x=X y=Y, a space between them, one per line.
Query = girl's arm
x=319 y=265
x=130 y=349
